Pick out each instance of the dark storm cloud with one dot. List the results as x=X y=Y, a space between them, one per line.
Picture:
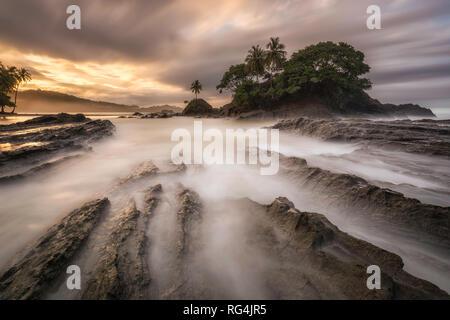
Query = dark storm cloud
x=174 y=42
x=110 y=29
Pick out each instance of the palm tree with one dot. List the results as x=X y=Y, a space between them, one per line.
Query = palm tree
x=256 y=61
x=22 y=75
x=275 y=56
x=196 y=87
x=8 y=82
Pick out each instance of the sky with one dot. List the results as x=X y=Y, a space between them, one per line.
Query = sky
x=147 y=52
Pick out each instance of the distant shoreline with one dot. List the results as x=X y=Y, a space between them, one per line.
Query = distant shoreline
x=46 y=113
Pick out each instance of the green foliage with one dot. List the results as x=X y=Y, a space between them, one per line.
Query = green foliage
x=10 y=80
x=5 y=101
x=256 y=61
x=332 y=71
x=196 y=87
x=275 y=56
x=248 y=94
x=326 y=67
x=233 y=78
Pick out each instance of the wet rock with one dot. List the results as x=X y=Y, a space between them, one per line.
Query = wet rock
x=163 y=114
x=152 y=198
x=35 y=141
x=148 y=169
x=422 y=136
x=160 y=115
x=188 y=218
x=46 y=120
x=144 y=169
x=334 y=263
x=37 y=170
x=52 y=253
x=122 y=271
x=357 y=197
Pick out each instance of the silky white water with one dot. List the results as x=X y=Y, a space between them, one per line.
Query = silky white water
x=28 y=208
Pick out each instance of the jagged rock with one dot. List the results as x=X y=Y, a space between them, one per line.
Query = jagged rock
x=37 y=169
x=122 y=271
x=147 y=169
x=187 y=215
x=52 y=253
x=144 y=169
x=335 y=263
x=160 y=115
x=421 y=136
x=353 y=194
x=163 y=114
x=188 y=219
x=51 y=119
x=35 y=141
x=152 y=198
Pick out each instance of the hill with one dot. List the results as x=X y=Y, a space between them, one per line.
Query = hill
x=43 y=101
x=358 y=105
x=199 y=107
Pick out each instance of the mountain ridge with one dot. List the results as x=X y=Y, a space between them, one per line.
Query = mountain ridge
x=53 y=101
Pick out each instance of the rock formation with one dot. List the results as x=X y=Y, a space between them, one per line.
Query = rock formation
x=359 y=105
x=51 y=255
x=422 y=136
x=362 y=200
x=199 y=107
x=122 y=271
x=31 y=144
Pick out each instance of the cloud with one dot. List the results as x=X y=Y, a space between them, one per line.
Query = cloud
x=147 y=52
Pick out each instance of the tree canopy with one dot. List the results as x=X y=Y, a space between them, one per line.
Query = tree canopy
x=196 y=87
x=233 y=78
x=256 y=62
x=10 y=80
x=328 y=69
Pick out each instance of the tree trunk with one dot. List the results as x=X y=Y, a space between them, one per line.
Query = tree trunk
x=3 y=109
x=15 y=99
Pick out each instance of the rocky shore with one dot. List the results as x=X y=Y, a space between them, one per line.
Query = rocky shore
x=50 y=256
x=310 y=257
x=361 y=200
x=42 y=142
x=126 y=251
x=430 y=137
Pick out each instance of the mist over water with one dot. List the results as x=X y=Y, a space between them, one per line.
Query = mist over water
x=417 y=176
x=227 y=258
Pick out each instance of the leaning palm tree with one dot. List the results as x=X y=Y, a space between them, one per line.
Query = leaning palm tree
x=22 y=75
x=196 y=87
x=256 y=61
x=275 y=56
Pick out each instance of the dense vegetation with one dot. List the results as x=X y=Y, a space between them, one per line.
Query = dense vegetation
x=329 y=70
x=10 y=80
